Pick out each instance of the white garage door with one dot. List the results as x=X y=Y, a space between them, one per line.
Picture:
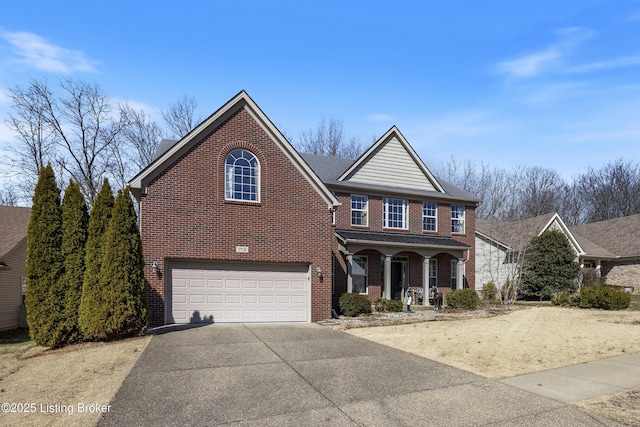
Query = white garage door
x=239 y=293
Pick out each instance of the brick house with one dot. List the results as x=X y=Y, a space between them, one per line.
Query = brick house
x=237 y=226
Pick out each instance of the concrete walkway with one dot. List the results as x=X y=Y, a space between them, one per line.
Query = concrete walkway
x=584 y=381
x=307 y=375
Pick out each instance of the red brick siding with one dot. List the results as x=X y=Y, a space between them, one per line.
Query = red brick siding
x=184 y=214
x=343 y=221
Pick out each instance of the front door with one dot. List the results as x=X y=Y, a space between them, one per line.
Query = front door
x=398 y=277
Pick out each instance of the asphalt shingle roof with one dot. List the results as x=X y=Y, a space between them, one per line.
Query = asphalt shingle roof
x=401 y=238
x=14 y=222
x=514 y=234
x=618 y=236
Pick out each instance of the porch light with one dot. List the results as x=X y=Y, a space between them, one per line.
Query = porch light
x=154 y=267
x=319 y=272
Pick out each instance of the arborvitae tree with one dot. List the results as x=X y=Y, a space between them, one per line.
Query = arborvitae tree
x=99 y=220
x=45 y=267
x=550 y=266
x=75 y=219
x=123 y=310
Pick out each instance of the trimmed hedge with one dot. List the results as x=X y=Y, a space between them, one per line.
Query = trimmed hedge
x=489 y=291
x=354 y=304
x=566 y=299
x=604 y=297
x=388 y=305
x=466 y=299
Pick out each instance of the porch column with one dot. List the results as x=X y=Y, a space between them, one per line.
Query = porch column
x=349 y=272
x=598 y=268
x=387 y=277
x=460 y=269
x=425 y=281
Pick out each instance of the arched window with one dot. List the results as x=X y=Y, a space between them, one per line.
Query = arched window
x=242 y=176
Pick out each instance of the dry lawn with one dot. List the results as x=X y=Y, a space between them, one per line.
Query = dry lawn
x=73 y=378
x=524 y=341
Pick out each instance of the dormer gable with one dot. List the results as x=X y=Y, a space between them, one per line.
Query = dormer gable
x=391 y=161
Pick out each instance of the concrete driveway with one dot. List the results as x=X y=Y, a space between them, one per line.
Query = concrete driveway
x=307 y=375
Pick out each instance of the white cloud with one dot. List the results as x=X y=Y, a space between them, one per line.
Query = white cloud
x=628 y=61
x=36 y=52
x=547 y=59
x=381 y=117
x=531 y=65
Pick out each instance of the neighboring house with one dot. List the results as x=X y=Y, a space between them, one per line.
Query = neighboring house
x=14 y=222
x=500 y=246
x=237 y=226
x=612 y=247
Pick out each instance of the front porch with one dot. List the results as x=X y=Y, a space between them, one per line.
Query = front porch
x=386 y=265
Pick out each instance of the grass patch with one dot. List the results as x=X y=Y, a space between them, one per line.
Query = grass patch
x=14 y=336
x=635 y=303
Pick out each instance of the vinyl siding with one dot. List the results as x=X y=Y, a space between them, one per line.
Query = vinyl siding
x=10 y=284
x=391 y=165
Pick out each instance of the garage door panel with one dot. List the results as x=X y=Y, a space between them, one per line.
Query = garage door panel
x=196 y=299
x=214 y=294
x=215 y=298
x=217 y=284
x=249 y=284
x=232 y=284
x=267 y=284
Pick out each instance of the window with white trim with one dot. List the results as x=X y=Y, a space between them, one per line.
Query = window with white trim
x=242 y=176
x=359 y=274
x=395 y=213
x=457 y=219
x=429 y=216
x=454 y=274
x=359 y=210
x=433 y=273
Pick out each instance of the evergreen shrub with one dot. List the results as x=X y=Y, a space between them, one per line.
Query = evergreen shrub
x=354 y=304
x=604 y=297
x=467 y=299
x=489 y=291
x=388 y=305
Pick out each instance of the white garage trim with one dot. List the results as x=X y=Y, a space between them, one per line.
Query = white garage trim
x=201 y=292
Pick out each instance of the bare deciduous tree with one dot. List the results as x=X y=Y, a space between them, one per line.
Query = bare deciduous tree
x=612 y=191
x=8 y=197
x=540 y=192
x=78 y=128
x=328 y=139
x=180 y=116
x=34 y=147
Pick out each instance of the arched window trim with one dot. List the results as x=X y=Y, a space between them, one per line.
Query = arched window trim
x=242 y=185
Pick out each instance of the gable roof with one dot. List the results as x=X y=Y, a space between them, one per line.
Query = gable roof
x=516 y=235
x=389 y=166
x=14 y=222
x=618 y=237
x=373 y=166
x=172 y=152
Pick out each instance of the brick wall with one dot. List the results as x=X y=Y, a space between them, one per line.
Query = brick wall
x=375 y=213
x=184 y=214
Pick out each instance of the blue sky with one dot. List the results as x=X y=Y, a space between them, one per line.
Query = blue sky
x=545 y=83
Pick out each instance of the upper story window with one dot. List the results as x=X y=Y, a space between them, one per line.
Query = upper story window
x=359 y=210
x=395 y=213
x=242 y=176
x=457 y=219
x=429 y=216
